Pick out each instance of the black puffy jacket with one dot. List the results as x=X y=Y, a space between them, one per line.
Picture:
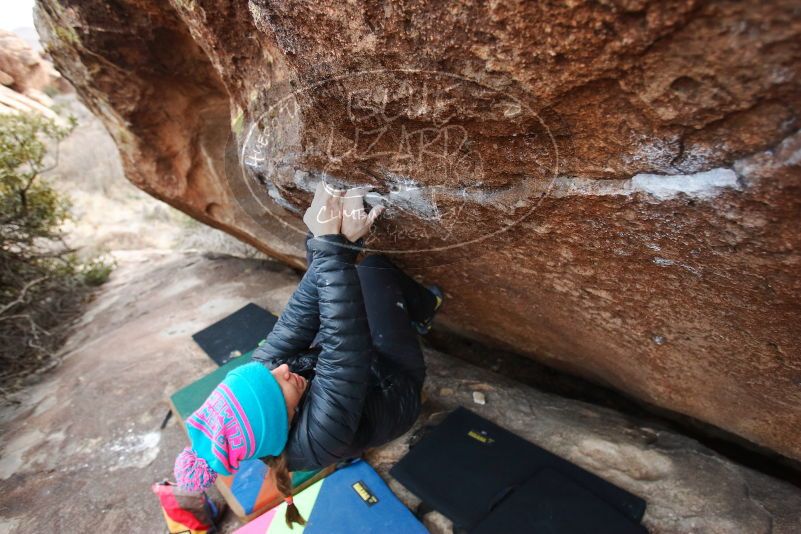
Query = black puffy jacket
x=356 y=399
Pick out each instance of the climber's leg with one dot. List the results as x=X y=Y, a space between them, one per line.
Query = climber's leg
x=389 y=297
x=421 y=302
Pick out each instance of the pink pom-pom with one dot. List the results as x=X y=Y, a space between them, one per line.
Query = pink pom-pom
x=193 y=473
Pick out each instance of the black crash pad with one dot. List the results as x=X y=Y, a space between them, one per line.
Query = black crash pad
x=466 y=465
x=551 y=503
x=237 y=334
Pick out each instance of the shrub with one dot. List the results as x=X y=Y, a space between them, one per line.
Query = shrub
x=42 y=282
x=96 y=271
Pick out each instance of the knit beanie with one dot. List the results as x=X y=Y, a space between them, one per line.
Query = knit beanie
x=244 y=417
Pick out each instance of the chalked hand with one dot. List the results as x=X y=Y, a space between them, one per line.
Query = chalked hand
x=356 y=221
x=324 y=216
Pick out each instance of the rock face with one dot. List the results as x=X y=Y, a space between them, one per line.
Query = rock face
x=24 y=74
x=21 y=67
x=611 y=188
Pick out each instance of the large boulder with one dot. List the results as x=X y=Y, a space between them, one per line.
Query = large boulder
x=612 y=188
x=24 y=75
x=21 y=67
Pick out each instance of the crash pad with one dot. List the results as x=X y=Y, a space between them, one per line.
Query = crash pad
x=235 y=334
x=354 y=499
x=551 y=503
x=466 y=465
x=250 y=491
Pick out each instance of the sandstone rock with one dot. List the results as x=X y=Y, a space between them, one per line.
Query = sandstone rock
x=22 y=68
x=611 y=187
x=87 y=438
x=14 y=102
x=24 y=74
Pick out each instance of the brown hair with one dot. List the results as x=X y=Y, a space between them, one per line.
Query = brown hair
x=283 y=481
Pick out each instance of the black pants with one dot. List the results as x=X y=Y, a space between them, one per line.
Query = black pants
x=392 y=300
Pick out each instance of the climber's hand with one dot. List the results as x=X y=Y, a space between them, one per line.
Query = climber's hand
x=356 y=221
x=324 y=216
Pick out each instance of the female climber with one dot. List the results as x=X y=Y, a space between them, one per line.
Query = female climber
x=342 y=370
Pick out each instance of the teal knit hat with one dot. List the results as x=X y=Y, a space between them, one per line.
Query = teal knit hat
x=244 y=417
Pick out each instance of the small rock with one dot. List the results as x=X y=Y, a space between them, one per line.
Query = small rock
x=479 y=398
x=446 y=392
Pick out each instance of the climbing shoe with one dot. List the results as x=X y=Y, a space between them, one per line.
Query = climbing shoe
x=424 y=327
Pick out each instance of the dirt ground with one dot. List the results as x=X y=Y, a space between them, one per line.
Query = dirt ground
x=82 y=449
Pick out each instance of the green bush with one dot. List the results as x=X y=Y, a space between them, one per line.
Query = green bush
x=96 y=271
x=42 y=283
